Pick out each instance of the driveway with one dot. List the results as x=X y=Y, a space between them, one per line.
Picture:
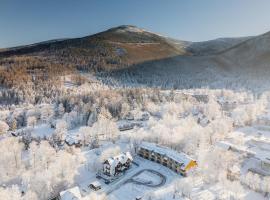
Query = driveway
x=138 y=182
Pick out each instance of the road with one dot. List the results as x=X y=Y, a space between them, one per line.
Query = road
x=147 y=184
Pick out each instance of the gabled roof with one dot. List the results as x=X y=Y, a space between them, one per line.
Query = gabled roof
x=71 y=194
x=122 y=158
x=179 y=157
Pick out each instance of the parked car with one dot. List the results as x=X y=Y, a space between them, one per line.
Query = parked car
x=95 y=185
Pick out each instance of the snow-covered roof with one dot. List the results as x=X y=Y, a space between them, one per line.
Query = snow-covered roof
x=223 y=145
x=128 y=154
x=263 y=156
x=226 y=146
x=122 y=158
x=96 y=184
x=71 y=194
x=266 y=160
x=176 y=156
x=72 y=139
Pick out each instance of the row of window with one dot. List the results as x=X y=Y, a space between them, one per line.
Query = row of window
x=172 y=166
x=158 y=156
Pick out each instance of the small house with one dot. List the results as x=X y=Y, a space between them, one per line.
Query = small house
x=115 y=165
x=71 y=194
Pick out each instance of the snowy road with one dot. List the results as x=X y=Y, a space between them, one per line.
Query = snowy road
x=149 y=183
x=138 y=182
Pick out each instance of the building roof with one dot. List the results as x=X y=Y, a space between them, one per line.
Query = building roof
x=263 y=157
x=266 y=160
x=223 y=145
x=71 y=194
x=122 y=158
x=96 y=184
x=239 y=148
x=179 y=157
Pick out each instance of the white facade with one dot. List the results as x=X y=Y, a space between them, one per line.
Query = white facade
x=177 y=161
x=117 y=164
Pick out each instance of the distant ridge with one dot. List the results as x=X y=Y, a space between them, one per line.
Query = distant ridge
x=129 y=51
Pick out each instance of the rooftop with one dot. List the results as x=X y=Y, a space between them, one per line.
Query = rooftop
x=177 y=156
x=123 y=157
x=71 y=194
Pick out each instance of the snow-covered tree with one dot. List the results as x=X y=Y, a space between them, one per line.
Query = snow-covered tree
x=3 y=127
x=60 y=132
x=92 y=118
x=10 y=193
x=109 y=152
x=105 y=128
x=86 y=135
x=215 y=162
x=11 y=162
x=31 y=121
x=46 y=113
x=60 y=110
x=95 y=196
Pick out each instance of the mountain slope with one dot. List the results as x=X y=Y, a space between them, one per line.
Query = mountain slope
x=212 y=47
x=144 y=57
x=243 y=65
x=252 y=55
x=112 y=49
x=116 y=48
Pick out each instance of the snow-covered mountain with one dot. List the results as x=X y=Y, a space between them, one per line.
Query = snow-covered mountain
x=214 y=46
x=253 y=54
x=128 y=54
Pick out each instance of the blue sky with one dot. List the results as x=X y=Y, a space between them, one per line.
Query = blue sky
x=29 y=21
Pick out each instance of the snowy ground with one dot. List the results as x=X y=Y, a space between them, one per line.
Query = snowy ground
x=124 y=188
x=131 y=190
x=43 y=130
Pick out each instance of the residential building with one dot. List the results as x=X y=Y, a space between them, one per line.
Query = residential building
x=176 y=161
x=115 y=165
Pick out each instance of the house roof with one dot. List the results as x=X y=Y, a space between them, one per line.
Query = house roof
x=224 y=145
x=227 y=146
x=71 y=194
x=122 y=158
x=179 y=157
x=263 y=157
